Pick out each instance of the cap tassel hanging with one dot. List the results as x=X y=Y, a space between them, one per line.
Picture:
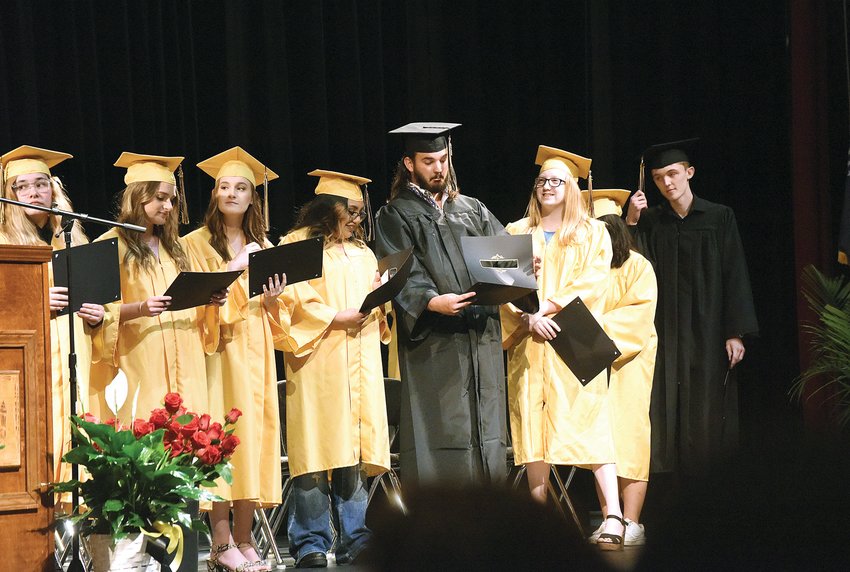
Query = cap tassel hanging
x=370 y=221
x=453 y=181
x=266 y=198
x=590 y=192
x=181 y=189
x=641 y=175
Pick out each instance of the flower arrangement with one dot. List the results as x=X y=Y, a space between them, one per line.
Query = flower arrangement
x=139 y=477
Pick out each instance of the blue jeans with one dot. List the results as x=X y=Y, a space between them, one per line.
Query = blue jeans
x=318 y=507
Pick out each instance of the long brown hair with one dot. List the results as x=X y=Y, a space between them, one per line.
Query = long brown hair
x=622 y=243
x=132 y=203
x=253 y=223
x=575 y=221
x=326 y=216
x=18 y=229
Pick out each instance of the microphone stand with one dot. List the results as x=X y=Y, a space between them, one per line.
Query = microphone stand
x=68 y=218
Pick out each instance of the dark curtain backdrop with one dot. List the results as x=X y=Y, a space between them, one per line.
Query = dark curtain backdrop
x=317 y=84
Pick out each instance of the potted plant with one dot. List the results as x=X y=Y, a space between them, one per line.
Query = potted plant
x=137 y=479
x=829 y=370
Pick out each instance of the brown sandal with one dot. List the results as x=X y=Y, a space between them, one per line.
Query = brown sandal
x=213 y=565
x=259 y=565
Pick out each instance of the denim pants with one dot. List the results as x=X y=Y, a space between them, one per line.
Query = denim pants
x=318 y=508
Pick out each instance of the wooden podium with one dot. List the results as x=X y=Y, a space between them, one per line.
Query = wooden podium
x=26 y=507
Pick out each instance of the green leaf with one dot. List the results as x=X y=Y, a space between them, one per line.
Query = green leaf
x=183 y=419
x=113 y=505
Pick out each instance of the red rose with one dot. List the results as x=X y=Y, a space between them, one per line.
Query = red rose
x=159 y=417
x=229 y=443
x=210 y=455
x=141 y=427
x=88 y=417
x=215 y=432
x=204 y=422
x=113 y=422
x=176 y=448
x=173 y=402
x=200 y=440
x=233 y=416
x=189 y=428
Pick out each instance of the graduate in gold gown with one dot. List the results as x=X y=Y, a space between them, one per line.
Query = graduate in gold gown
x=159 y=351
x=242 y=372
x=336 y=423
x=629 y=320
x=555 y=420
x=27 y=178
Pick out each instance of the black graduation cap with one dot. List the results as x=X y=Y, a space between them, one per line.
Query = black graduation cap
x=425 y=137
x=663 y=154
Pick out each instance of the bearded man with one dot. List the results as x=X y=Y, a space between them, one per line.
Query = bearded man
x=450 y=354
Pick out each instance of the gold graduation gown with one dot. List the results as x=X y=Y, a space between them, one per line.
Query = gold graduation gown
x=242 y=374
x=629 y=320
x=553 y=417
x=335 y=408
x=60 y=376
x=158 y=354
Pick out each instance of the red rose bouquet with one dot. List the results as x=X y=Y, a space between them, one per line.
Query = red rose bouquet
x=139 y=477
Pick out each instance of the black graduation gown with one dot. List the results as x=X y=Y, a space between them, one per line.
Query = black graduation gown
x=704 y=298
x=453 y=381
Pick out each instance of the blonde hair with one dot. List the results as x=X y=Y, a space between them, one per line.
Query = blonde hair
x=18 y=229
x=132 y=210
x=575 y=223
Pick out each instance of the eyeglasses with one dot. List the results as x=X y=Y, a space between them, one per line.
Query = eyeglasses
x=41 y=186
x=554 y=182
x=354 y=215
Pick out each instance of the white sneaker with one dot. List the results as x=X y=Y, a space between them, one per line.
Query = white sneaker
x=594 y=536
x=635 y=534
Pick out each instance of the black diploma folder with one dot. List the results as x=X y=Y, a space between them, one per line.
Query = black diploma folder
x=95 y=278
x=582 y=344
x=192 y=289
x=501 y=267
x=300 y=261
x=397 y=268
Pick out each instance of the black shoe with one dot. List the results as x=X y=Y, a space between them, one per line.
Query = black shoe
x=313 y=560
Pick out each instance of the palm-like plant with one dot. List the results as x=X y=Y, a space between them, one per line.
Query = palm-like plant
x=829 y=298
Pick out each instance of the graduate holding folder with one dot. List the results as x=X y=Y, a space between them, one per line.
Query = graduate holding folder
x=242 y=372
x=555 y=419
x=158 y=351
x=27 y=178
x=336 y=417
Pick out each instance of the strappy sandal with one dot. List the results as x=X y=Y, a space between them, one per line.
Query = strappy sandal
x=260 y=565
x=608 y=541
x=213 y=565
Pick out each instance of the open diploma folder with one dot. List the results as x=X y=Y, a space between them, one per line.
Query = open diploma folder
x=300 y=261
x=501 y=267
x=582 y=344
x=192 y=289
x=95 y=278
x=394 y=270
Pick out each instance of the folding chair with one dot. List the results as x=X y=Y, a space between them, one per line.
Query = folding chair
x=392 y=392
x=269 y=521
x=558 y=495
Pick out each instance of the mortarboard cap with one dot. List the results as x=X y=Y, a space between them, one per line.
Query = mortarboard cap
x=663 y=154
x=26 y=160
x=607 y=201
x=425 y=137
x=237 y=162
x=339 y=184
x=550 y=158
x=153 y=168
x=144 y=168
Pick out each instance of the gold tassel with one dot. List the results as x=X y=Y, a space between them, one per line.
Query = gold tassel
x=3 y=189
x=640 y=175
x=266 y=198
x=181 y=188
x=590 y=192
x=370 y=235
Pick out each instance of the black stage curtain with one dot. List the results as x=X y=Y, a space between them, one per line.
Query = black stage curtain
x=317 y=84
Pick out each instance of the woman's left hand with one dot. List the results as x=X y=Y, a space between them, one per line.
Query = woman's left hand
x=220 y=297
x=92 y=314
x=377 y=281
x=273 y=290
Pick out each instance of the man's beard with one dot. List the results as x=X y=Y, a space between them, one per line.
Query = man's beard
x=434 y=186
